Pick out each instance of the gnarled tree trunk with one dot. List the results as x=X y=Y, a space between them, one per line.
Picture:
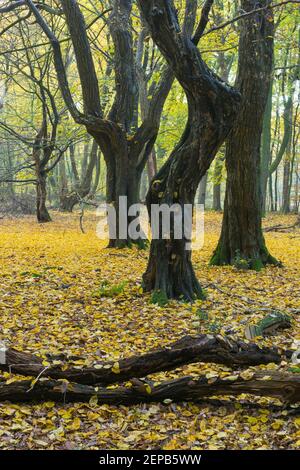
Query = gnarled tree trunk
x=212 y=108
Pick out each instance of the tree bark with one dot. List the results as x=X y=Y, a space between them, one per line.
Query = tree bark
x=42 y=213
x=202 y=189
x=217 y=176
x=286 y=189
x=280 y=385
x=212 y=108
x=241 y=235
x=266 y=155
x=287 y=168
x=189 y=349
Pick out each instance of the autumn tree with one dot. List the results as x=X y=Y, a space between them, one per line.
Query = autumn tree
x=212 y=108
x=37 y=132
x=241 y=236
x=125 y=143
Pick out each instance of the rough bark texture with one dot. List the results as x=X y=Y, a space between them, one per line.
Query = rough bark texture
x=241 y=236
x=212 y=108
x=202 y=348
x=284 y=386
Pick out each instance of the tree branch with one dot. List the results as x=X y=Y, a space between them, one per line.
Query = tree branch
x=190 y=349
x=280 y=385
x=249 y=13
x=58 y=61
x=203 y=21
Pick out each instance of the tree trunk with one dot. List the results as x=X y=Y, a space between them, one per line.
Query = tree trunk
x=287 y=170
x=286 y=193
x=241 y=235
x=212 y=108
x=217 y=177
x=68 y=202
x=41 y=197
x=266 y=156
x=202 y=189
x=217 y=197
x=97 y=176
x=63 y=182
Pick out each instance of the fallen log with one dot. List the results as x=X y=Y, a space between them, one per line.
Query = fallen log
x=189 y=349
x=280 y=385
x=281 y=227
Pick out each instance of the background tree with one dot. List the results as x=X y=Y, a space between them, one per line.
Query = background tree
x=124 y=144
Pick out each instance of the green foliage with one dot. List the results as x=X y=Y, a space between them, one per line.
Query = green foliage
x=159 y=297
x=201 y=315
x=256 y=264
x=108 y=290
x=239 y=262
x=214 y=327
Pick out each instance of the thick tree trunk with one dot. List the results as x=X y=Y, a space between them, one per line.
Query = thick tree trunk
x=117 y=172
x=189 y=349
x=41 y=197
x=241 y=236
x=123 y=179
x=212 y=107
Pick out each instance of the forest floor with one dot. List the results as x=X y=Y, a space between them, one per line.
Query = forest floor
x=49 y=303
